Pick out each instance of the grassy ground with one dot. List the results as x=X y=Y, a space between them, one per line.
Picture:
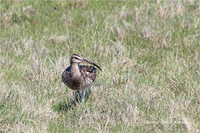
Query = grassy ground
x=149 y=52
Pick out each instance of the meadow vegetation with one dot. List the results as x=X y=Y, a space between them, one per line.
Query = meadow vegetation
x=149 y=52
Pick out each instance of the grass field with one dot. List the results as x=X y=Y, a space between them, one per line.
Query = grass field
x=149 y=52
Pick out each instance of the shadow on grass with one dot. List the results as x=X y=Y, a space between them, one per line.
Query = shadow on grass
x=78 y=99
x=65 y=106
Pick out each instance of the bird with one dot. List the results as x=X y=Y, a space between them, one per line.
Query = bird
x=80 y=77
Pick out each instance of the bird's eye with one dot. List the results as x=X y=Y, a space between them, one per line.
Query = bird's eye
x=76 y=58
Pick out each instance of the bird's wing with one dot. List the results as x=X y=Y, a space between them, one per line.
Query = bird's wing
x=88 y=72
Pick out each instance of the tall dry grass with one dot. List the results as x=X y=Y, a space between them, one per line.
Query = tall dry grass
x=148 y=51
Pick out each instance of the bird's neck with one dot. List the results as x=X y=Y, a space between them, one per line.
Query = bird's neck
x=75 y=70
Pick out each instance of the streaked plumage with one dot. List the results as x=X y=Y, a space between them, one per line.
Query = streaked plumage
x=80 y=77
x=88 y=75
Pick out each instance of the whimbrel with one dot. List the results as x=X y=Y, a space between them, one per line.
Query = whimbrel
x=80 y=77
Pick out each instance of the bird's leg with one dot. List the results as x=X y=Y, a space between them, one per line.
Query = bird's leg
x=86 y=93
x=78 y=96
x=82 y=95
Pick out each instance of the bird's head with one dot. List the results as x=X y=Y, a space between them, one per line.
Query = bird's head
x=75 y=58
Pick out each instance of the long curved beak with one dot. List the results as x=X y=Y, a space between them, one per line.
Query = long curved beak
x=92 y=64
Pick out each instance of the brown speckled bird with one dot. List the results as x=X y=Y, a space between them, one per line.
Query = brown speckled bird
x=80 y=77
